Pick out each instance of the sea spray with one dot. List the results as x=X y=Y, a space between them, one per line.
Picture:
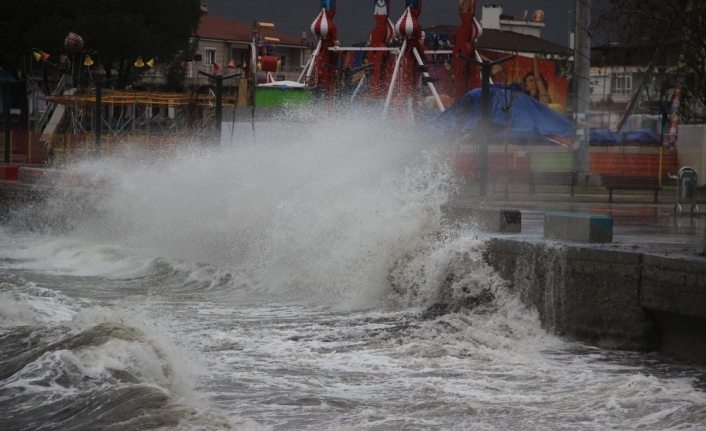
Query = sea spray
x=328 y=200
x=258 y=274
x=448 y=275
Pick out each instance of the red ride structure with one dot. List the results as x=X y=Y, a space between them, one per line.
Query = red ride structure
x=410 y=32
x=466 y=76
x=381 y=37
x=327 y=33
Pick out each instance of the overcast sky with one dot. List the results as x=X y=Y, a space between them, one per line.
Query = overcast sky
x=354 y=18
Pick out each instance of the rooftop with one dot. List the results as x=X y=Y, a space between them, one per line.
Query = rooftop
x=509 y=41
x=219 y=28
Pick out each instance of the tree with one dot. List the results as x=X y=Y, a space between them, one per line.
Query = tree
x=663 y=28
x=117 y=30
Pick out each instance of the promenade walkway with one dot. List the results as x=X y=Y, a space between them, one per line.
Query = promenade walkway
x=638 y=223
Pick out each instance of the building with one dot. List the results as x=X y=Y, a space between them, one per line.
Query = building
x=503 y=33
x=616 y=75
x=494 y=19
x=220 y=41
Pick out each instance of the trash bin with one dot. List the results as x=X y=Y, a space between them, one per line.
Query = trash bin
x=686 y=190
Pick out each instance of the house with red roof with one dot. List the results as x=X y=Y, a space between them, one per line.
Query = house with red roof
x=223 y=43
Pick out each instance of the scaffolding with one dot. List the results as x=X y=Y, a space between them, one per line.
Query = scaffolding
x=140 y=113
x=131 y=121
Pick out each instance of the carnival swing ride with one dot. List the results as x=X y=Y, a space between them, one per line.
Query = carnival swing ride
x=392 y=70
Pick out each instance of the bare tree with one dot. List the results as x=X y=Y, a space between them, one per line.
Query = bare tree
x=672 y=33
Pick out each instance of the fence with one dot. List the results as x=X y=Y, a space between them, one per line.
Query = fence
x=35 y=148
x=634 y=161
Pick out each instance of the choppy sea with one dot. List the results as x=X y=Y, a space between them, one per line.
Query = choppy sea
x=297 y=279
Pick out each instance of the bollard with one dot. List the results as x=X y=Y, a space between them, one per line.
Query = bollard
x=9 y=173
x=578 y=227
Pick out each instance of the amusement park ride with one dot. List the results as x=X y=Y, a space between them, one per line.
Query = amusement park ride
x=393 y=71
x=408 y=69
x=394 y=66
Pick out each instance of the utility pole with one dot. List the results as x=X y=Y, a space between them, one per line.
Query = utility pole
x=485 y=117
x=7 y=99
x=7 y=107
x=582 y=86
x=98 y=120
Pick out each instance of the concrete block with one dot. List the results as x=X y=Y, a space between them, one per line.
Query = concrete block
x=483 y=219
x=9 y=173
x=578 y=227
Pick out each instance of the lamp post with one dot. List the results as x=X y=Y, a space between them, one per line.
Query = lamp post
x=582 y=86
x=99 y=111
x=6 y=81
x=485 y=68
x=6 y=109
x=219 y=99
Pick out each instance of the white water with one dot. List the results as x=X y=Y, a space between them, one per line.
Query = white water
x=282 y=284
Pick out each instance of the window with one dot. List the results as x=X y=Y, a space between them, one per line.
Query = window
x=210 y=59
x=622 y=83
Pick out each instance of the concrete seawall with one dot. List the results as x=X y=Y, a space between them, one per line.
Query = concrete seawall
x=613 y=299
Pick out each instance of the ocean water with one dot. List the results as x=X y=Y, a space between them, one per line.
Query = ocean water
x=298 y=278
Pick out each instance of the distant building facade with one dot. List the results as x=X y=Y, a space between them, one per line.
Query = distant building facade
x=219 y=41
x=616 y=75
x=494 y=19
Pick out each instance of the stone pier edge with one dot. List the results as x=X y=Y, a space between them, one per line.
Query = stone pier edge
x=613 y=299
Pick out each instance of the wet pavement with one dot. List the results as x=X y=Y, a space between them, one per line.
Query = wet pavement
x=640 y=227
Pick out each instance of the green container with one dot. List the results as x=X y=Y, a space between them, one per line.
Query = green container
x=551 y=162
x=282 y=96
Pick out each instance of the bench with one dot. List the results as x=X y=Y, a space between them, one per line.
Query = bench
x=512 y=176
x=535 y=178
x=626 y=182
x=553 y=178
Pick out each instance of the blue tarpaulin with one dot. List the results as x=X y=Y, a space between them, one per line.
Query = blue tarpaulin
x=604 y=136
x=527 y=118
x=642 y=137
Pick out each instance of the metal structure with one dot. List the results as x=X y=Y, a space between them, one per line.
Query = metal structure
x=464 y=45
x=380 y=38
x=7 y=99
x=686 y=190
x=130 y=112
x=219 y=101
x=99 y=111
x=582 y=92
x=407 y=74
x=327 y=33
